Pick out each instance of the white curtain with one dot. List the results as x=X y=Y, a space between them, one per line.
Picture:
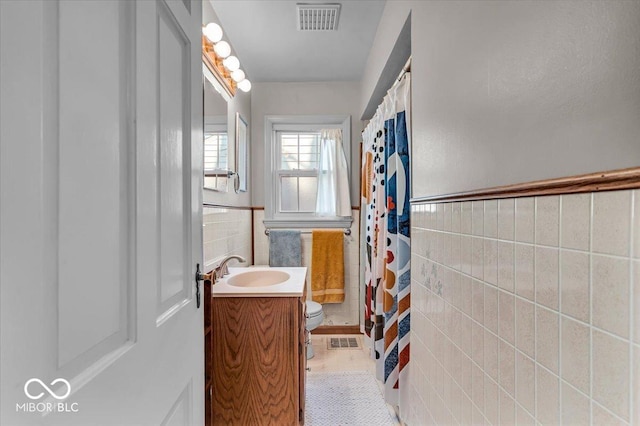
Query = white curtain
x=333 y=177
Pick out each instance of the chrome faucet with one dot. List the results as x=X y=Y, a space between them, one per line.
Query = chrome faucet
x=223 y=269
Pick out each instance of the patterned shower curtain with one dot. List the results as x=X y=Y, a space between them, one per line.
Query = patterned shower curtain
x=385 y=198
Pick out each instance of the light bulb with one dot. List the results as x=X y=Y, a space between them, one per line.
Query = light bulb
x=244 y=85
x=237 y=75
x=222 y=48
x=231 y=63
x=213 y=32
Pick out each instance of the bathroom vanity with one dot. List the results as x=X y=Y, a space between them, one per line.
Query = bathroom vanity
x=258 y=355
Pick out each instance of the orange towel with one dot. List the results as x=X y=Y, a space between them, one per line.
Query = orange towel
x=367 y=177
x=327 y=266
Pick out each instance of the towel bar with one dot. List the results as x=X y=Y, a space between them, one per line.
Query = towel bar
x=347 y=231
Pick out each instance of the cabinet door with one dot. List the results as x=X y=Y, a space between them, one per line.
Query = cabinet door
x=302 y=353
x=208 y=353
x=255 y=375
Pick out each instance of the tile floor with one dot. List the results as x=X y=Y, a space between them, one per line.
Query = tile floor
x=344 y=359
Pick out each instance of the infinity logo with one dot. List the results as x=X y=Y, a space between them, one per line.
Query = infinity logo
x=52 y=393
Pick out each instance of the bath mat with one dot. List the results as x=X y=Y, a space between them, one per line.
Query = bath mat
x=346 y=398
x=342 y=343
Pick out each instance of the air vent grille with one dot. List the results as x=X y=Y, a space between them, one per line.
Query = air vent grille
x=343 y=343
x=318 y=17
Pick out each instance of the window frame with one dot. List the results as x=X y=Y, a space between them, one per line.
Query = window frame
x=215 y=125
x=280 y=173
x=210 y=131
x=300 y=123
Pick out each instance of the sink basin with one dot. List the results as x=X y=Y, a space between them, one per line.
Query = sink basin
x=258 y=278
x=261 y=281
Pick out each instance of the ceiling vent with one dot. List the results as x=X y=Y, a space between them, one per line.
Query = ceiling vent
x=318 y=16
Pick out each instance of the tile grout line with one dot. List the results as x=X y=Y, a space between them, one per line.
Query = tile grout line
x=497 y=261
x=472 y=360
x=632 y=365
x=522 y=298
x=498 y=202
x=528 y=244
x=591 y=202
x=515 y=286
x=562 y=317
x=484 y=273
x=535 y=310
x=525 y=299
x=560 y=402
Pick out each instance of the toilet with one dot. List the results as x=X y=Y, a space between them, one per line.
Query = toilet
x=315 y=316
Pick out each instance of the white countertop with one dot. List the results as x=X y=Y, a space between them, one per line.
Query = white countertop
x=293 y=287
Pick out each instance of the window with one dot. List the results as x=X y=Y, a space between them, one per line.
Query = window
x=291 y=173
x=297 y=171
x=215 y=153
x=216 y=156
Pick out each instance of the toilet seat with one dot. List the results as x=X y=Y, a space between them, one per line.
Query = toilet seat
x=313 y=308
x=315 y=316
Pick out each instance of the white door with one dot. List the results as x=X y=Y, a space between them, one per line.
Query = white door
x=100 y=214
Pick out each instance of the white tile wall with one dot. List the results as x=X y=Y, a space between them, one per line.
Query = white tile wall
x=526 y=311
x=346 y=313
x=225 y=231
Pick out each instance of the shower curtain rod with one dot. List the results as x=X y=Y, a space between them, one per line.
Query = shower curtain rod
x=347 y=231
x=405 y=69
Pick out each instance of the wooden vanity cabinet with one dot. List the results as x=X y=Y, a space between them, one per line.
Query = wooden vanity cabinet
x=258 y=360
x=208 y=353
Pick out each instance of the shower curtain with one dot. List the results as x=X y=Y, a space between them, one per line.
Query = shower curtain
x=385 y=199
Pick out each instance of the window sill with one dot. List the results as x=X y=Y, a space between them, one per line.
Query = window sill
x=343 y=222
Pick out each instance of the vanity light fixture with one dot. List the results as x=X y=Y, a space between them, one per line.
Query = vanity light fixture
x=216 y=55
x=222 y=48
x=231 y=63
x=237 y=75
x=244 y=85
x=213 y=32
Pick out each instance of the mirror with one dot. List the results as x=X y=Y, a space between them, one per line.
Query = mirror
x=216 y=141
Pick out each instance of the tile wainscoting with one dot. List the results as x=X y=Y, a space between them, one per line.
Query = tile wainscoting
x=346 y=313
x=226 y=230
x=526 y=310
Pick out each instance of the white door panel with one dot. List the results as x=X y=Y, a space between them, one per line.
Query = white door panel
x=100 y=214
x=88 y=166
x=174 y=142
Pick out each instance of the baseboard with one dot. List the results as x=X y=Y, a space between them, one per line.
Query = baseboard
x=337 y=329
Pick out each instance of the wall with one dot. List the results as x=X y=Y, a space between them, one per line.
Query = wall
x=503 y=93
x=310 y=99
x=522 y=311
x=380 y=69
x=345 y=313
x=226 y=231
x=241 y=103
x=533 y=89
x=303 y=99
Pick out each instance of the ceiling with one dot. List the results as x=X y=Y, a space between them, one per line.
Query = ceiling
x=265 y=38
